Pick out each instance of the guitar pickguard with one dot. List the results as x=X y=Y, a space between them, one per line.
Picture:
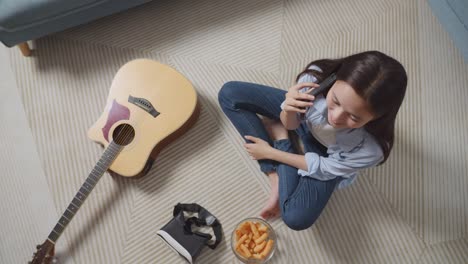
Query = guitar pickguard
x=117 y=112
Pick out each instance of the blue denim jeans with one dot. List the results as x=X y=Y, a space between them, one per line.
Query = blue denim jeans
x=301 y=199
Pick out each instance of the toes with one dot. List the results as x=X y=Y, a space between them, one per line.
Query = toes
x=265 y=213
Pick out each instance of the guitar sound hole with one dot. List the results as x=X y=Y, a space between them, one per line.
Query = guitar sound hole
x=123 y=134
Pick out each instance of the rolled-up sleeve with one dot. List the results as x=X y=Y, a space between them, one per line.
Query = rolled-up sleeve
x=340 y=164
x=307 y=78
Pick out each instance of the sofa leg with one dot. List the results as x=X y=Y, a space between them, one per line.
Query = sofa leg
x=24 y=47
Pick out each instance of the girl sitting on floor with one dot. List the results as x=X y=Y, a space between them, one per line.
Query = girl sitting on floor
x=347 y=128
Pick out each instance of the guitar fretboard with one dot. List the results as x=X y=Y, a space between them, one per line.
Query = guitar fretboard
x=102 y=165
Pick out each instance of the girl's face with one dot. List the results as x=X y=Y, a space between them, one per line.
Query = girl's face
x=346 y=109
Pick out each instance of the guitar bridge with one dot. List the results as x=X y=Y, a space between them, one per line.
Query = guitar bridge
x=143 y=104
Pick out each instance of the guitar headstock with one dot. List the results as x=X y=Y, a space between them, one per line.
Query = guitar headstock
x=44 y=254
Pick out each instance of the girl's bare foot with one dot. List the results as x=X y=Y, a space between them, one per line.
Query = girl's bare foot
x=277 y=131
x=272 y=209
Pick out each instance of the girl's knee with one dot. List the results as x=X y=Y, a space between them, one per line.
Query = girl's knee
x=297 y=222
x=228 y=90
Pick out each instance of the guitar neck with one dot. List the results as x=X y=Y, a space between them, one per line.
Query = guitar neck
x=109 y=155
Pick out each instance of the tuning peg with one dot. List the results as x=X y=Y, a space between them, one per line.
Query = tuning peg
x=38 y=246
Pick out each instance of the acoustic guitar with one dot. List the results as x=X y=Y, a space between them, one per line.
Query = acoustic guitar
x=149 y=105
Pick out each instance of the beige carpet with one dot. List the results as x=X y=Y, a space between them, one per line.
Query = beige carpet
x=413 y=209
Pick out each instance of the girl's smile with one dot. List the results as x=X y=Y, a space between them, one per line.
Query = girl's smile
x=346 y=109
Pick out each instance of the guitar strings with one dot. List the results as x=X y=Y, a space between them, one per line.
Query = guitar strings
x=128 y=133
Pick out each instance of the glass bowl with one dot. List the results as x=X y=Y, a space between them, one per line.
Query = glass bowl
x=271 y=236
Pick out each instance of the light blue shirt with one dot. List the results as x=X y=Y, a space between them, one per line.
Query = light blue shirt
x=355 y=149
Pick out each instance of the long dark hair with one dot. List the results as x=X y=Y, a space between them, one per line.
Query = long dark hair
x=379 y=79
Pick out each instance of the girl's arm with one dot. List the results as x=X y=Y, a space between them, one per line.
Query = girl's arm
x=260 y=149
x=294 y=160
x=289 y=120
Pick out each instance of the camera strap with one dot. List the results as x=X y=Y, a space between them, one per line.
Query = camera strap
x=205 y=218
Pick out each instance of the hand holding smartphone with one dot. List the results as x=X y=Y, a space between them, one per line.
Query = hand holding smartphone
x=323 y=86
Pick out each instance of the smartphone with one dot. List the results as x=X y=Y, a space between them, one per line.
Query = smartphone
x=329 y=81
x=323 y=86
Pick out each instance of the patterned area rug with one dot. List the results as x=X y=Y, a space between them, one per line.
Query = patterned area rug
x=413 y=209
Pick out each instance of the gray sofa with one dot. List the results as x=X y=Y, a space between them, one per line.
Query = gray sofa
x=24 y=20
x=453 y=15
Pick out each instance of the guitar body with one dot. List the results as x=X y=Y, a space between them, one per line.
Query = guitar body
x=149 y=105
x=159 y=104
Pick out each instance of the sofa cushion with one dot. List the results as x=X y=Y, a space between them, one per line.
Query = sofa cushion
x=460 y=8
x=452 y=15
x=19 y=14
x=21 y=20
